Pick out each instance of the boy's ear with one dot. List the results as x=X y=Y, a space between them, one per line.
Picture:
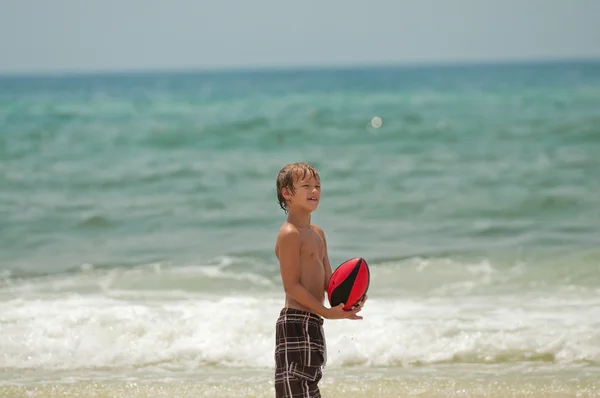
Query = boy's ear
x=286 y=193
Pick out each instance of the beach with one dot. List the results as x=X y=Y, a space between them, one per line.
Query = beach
x=453 y=382
x=138 y=220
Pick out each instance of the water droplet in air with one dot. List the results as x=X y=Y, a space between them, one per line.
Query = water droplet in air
x=376 y=122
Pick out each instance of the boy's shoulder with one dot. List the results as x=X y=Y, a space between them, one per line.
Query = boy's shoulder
x=287 y=232
x=318 y=230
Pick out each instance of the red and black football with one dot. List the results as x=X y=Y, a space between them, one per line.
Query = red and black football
x=349 y=283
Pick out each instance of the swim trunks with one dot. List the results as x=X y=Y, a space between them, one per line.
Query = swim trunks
x=300 y=353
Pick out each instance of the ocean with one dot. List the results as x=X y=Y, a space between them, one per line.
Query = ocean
x=138 y=218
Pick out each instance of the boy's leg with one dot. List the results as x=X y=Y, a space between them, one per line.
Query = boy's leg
x=299 y=354
x=293 y=387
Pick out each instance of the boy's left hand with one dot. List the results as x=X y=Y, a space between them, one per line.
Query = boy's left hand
x=360 y=303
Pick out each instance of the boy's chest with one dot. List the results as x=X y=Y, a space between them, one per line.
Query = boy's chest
x=312 y=245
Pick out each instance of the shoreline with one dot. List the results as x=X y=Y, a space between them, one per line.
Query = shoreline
x=439 y=381
x=330 y=388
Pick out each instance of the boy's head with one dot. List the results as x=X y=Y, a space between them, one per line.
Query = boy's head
x=298 y=182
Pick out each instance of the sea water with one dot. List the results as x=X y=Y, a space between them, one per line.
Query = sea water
x=138 y=217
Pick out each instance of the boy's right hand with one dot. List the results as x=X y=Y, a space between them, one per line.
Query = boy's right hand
x=338 y=312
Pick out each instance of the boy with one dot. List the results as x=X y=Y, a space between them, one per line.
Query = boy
x=301 y=249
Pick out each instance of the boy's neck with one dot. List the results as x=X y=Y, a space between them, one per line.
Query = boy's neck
x=299 y=219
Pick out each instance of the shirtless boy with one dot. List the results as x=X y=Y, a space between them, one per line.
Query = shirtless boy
x=301 y=249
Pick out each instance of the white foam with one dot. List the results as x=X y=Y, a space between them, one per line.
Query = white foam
x=73 y=332
x=223 y=313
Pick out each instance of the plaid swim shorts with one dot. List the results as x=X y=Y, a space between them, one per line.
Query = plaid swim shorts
x=300 y=353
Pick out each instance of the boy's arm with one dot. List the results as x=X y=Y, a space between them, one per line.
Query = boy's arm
x=326 y=264
x=289 y=264
x=328 y=270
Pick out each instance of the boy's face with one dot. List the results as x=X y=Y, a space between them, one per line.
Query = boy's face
x=308 y=193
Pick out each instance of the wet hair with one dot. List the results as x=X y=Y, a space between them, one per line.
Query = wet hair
x=289 y=174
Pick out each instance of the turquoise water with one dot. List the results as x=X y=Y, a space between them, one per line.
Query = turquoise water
x=136 y=210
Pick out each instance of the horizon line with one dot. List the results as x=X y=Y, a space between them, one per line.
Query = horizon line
x=258 y=68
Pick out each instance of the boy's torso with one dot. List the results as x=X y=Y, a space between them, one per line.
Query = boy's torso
x=312 y=271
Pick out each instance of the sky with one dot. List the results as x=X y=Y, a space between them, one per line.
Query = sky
x=77 y=35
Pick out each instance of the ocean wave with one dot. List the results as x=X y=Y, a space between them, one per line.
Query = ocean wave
x=161 y=279
x=409 y=277
x=99 y=332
